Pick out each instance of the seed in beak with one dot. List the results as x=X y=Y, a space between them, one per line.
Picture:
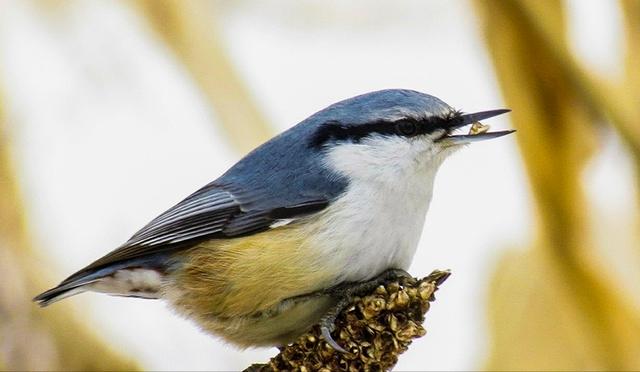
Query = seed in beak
x=478 y=128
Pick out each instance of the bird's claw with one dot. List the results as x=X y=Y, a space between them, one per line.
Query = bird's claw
x=346 y=293
x=328 y=322
x=326 y=334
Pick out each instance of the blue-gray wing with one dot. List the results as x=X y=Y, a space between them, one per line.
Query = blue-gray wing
x=211 y=212
x=204 y=213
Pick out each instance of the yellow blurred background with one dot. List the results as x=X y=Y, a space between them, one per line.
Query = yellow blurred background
x=111 y=111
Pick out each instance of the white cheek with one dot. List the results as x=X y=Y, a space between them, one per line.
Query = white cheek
x=379 y=158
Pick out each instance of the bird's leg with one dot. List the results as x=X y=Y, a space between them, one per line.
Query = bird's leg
x=346 y=293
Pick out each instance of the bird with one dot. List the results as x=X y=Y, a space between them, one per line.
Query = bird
x=277 y=243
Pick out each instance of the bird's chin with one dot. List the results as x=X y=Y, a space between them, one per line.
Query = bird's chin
x=449 y=144
x=448 y=149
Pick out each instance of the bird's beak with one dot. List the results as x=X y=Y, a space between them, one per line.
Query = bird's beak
x=478 y=131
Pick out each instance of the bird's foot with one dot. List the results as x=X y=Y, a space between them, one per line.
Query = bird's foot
x=346 y=294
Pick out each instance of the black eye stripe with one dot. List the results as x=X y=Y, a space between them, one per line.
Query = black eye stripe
x=407 y=128
x=336 y=131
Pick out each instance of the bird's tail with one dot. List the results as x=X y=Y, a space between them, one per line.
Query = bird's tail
x=56 y=294
x=131 y=279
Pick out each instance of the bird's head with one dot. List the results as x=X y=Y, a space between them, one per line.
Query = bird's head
x=393 y=132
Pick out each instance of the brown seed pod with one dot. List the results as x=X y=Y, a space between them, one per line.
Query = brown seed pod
x=478 y=128
x=375 y=330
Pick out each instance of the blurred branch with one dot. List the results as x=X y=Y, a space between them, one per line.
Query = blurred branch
x=631 y=13
x=554 y=102
x=188 y=28
x=33 y=339
x=606 y=98
x=630 y=91
x=376 y=329
x=555 y=132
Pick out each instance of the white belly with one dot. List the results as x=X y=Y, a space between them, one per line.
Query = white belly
x=372 y=233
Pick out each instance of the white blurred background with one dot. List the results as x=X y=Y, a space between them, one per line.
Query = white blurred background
x=109 y=129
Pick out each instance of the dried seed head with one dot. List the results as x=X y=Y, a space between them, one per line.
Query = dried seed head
x=393 y=287
x=408 y=332
x=371 y=306
x=381 y=290
x=402 y=300
x=393 y=322
x=425 y=290
x=375 y=330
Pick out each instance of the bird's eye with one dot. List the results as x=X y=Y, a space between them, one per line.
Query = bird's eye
x=406 y=128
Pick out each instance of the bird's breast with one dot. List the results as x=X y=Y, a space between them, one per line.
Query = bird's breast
x=373 y=227
x=377 y=222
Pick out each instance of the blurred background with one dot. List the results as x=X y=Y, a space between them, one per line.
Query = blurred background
x=112 y=111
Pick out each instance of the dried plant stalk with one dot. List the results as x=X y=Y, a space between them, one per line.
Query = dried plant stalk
x=188 y=27
x=376 y=329
x=587 y=323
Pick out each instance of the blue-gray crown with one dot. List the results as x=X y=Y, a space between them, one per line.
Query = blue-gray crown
x=383 y=105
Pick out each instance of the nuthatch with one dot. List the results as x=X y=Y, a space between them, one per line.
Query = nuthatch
x=267 y=250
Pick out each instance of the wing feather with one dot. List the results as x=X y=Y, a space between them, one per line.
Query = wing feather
x=200 y=209
x=212 y=212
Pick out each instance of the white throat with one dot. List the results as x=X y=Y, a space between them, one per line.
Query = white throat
x=378 y=221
